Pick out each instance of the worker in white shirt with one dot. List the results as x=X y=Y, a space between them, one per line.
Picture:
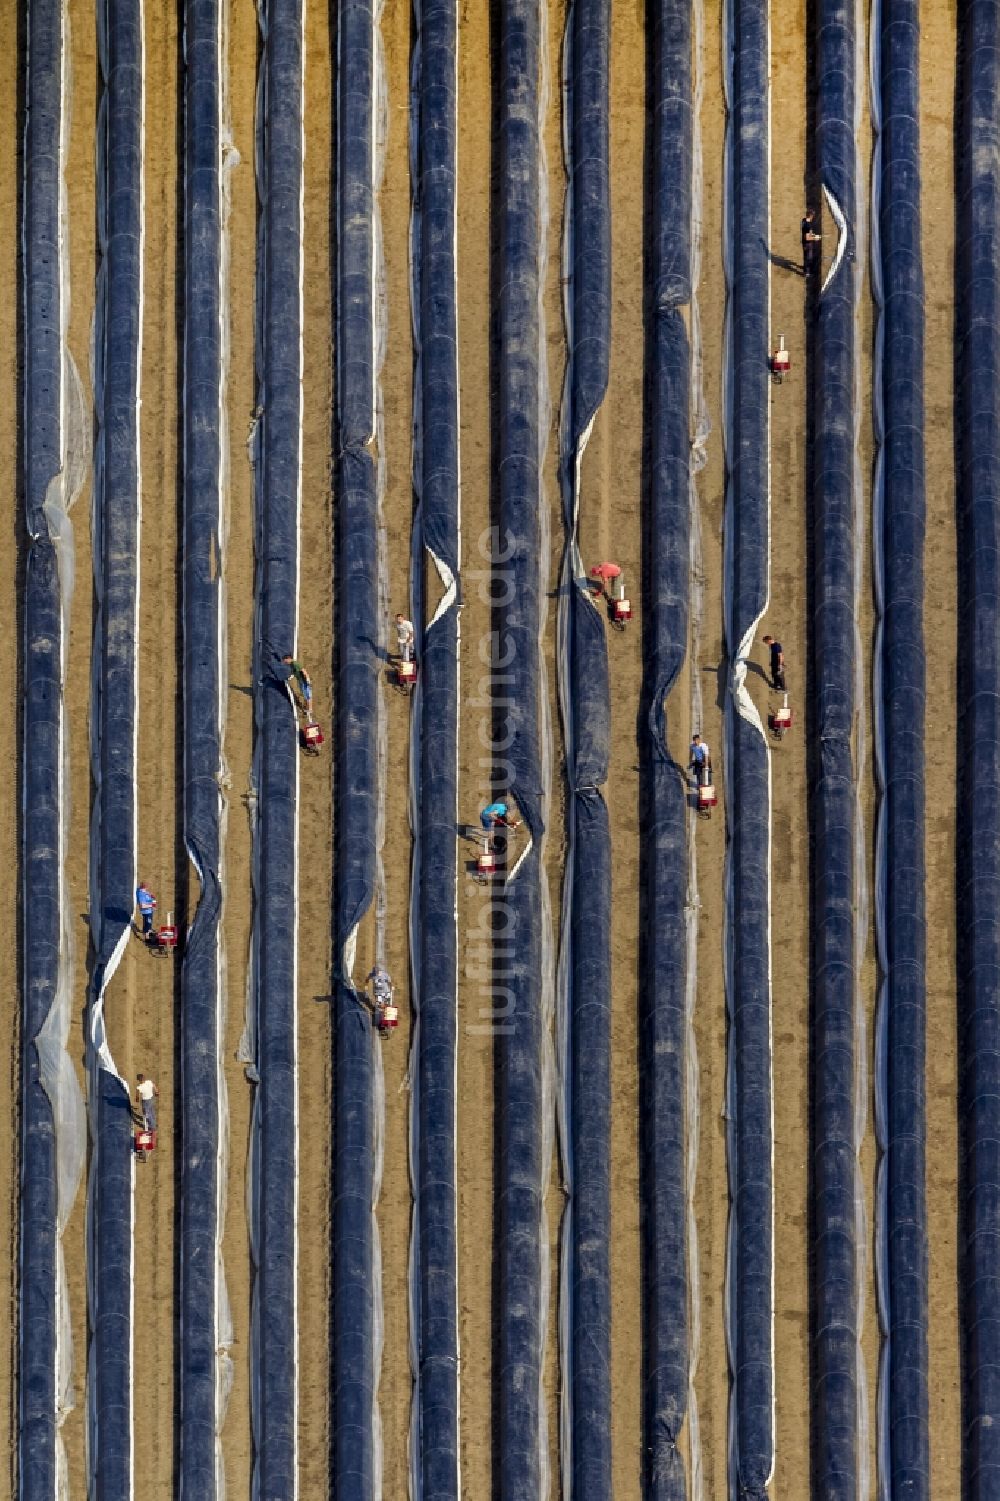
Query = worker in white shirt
x=147 y=1095
x=405 y=636
x=383 y=1008
x=382 y=985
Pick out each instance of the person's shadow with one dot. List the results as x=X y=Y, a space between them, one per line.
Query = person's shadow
x=721 y=675
x=782 y=261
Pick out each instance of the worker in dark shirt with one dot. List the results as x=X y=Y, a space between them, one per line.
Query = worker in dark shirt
x=812 y=242
x=777 y=664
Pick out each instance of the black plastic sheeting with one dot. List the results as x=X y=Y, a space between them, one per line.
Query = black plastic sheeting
x=978 y=837
x=274 y=1147
x=435 y=958
x=517 y=981
x=747 y=547
x=664 y=873
x=111 y=1368
x=116 y=517
x=354 y=1373
x=41 y=781
x=587 y=711
x=833 y=801
x=899 y=543
x=587 y=73
x=200 y=1039
x=354 y=1376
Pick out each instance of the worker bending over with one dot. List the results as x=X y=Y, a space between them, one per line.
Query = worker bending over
x=303 y=681
x=701 y=761
x=495 y=816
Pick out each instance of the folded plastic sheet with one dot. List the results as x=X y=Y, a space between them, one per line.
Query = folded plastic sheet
x=355 y=1461
x=585 y=949
x=274 y=1141
x=899 y=697
x=203 y=1370
x=663 y=872
x=833 y=676
x=117 y=506
x=747 y=549
x=978 y=835
x=435 y=1460
x=517 y=973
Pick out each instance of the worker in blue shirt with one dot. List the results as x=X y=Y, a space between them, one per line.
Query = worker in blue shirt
x=701 y=761
x=494 y=816
x=146 y=902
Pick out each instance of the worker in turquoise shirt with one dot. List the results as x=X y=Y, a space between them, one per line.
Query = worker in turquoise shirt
x=494 y=816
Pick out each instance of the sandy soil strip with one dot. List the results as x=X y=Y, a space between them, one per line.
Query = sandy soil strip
x=144 y=995
x=712 y=1196
x=937 y=84
x=475 y=991
x=80 y=176
x=315 y=649
x=475 y=1045
x=863 y=753
x=397 y=394
x=550 y=54
x=237 y=744
x=786 y=619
